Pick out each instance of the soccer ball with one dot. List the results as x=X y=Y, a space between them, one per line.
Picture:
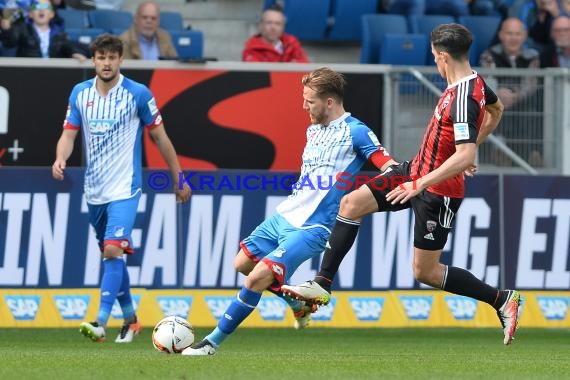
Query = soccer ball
x=172 y=334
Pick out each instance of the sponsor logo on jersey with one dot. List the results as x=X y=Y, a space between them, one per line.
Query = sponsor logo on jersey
x=23 y=308
x=324 y=313
x=175 y=305
x=367 y=308
x=99 y=127
x=72 y=307
x=462 y=308
x=554 y=308
x=417 y=307
x=272 y=308
x=218 y=305
x=116 y=311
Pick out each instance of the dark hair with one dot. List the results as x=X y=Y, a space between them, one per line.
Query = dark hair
x=454 y=39
x=107 y=43
x=326 y=83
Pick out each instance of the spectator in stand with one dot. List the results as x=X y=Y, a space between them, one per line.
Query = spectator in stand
x=517 y=93
x=537 y=15
x=38 y=35
x=145 y=39
x=557 y=53
x=271 y=44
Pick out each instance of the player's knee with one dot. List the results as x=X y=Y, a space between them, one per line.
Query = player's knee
x=421 y=274
x=241 y=267
x=259 y=279
x=349 y=208
x=425 y=275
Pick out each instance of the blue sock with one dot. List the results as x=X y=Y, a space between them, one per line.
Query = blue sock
x=110 y=285
x=293 y=303
x=125 y=299
x=235 y=314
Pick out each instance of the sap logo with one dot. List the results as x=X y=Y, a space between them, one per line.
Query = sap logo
x=553 y=308
x=179 y=306
x=218 y=305
x=100 y=127
x=23 y=308
x=116 y=311
x=367 y=308
x=272 y=309
x=417 y=307
x=72 y=307
x=324 y=313
x=462 y=308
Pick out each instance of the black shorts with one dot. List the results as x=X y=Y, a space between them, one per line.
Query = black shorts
x=434 y=214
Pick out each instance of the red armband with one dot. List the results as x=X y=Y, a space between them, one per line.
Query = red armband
x=380 y=157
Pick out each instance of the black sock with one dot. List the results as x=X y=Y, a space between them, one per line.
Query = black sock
x=342 y=237
x=462 y=282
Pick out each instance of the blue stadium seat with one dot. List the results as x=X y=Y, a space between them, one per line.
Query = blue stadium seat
x=307 y=19
x=7 y=52
x=347 y=15
x=373 y=28
x=403 y=49
x=484 y=29
x=188 y=43
x=171 y=21
x=118 y=31
x=425 y=24
x=85 y=36
x=74 y=18
x=109 y=19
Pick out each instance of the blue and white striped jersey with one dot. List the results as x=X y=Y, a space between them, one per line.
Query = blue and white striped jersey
x=341 y=148
x=112 y=129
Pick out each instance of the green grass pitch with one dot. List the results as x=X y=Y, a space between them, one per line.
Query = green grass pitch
x=351 y=354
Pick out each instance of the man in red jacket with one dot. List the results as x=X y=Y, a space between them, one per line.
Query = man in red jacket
x=271 y=44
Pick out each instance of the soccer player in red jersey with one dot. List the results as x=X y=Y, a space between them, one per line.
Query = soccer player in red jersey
x=466 y=113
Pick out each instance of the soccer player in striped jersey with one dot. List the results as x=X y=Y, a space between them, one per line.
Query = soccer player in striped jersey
x=111 y=112
x=467 y=111
x=337 y=144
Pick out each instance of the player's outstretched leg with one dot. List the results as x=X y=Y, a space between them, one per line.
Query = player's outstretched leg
x=93 y=331
x=508 y=314
x=308 y=291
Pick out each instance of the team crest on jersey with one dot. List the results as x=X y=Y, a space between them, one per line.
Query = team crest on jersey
x=430 y=225
x=439 y=110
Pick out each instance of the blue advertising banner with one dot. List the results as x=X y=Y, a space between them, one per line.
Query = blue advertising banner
x=537 y=232
x=46 y=240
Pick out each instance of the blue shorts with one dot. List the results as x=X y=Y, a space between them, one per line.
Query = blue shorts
x=114 y=221
x=283 y=247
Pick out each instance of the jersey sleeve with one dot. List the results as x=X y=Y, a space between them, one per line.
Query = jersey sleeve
x=147 y=109
x=366 y=144
x=490 y=96
x=465 y=114
x=73 y=115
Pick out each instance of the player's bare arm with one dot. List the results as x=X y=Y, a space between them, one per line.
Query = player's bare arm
x=168 y=153
x=493 y=115
x=63 y=151
x=463 y=158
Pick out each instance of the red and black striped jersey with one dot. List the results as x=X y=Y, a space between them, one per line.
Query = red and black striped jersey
x=456 y=120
